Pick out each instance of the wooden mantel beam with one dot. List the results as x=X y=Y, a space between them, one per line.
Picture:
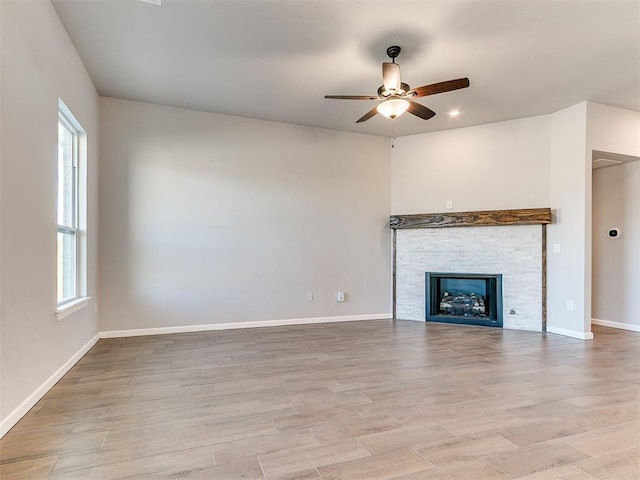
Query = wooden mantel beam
x=523 y=216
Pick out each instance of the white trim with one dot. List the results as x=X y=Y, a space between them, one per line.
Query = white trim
x=68 y=308
x=570 y=333
x=229 y=326
x=620 y=325
x=22 y=409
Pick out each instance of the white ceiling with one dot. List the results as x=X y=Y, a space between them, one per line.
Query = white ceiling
x=276 y=59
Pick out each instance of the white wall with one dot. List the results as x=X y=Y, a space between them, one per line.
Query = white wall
x=616 y=202
x=616 y=263
x=568 y=271
x=39 y=65
x=209 y=219
x=612 y=129
x=488 y=167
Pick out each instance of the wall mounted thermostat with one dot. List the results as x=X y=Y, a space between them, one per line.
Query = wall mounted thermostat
x=614 y=232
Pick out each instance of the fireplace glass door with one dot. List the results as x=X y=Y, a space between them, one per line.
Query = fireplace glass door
x=469 y=298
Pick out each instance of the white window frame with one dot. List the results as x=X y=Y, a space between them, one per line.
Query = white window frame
x=79 y=299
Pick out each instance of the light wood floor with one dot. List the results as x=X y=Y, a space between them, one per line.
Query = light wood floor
x=363 y=400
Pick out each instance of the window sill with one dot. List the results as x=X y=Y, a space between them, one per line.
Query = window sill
x=71 y=307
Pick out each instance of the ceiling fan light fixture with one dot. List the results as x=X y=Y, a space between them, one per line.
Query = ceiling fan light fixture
x=392 y=108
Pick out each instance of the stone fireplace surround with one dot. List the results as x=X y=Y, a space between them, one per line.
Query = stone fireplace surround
x=507 y=242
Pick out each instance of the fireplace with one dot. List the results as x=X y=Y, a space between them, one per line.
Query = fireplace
x=469 y=298
x=510 y=242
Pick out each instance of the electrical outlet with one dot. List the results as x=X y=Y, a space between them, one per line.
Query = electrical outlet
x=340 y=297
x=556 y=248
x=309 y=296
x=449 y=203
x=570 y=305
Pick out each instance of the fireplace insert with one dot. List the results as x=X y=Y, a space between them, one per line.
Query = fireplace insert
x=469 y=298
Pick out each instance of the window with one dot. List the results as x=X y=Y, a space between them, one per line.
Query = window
x=71 y=202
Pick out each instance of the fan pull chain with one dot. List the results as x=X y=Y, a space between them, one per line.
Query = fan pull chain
x=393 y=137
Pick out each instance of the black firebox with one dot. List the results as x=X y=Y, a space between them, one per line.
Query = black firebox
x=469 y=298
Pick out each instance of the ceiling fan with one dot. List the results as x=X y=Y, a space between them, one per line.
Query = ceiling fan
x=397 y=96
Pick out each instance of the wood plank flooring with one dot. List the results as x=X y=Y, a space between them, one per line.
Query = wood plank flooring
x=363 y=400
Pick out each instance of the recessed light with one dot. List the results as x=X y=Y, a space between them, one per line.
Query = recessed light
x=454 y=113
x=152 y=2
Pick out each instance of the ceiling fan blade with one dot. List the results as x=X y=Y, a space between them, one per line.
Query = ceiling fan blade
x=420 y=110
x=368 y=115
x=391 y=77
x=440 y=87
x=351 y=97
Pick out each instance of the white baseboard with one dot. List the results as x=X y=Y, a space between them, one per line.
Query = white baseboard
x=620 y=325
x=21 y=410
x=230 y=326
x=570 y=333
